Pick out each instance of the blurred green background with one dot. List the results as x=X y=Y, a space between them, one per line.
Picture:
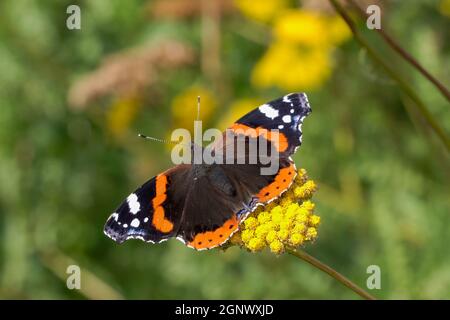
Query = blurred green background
x=73 y=101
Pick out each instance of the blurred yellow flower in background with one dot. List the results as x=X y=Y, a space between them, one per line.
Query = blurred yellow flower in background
x=184 y=107
x=286 y=222
x=444 y=7
x=300 y=57
x=292 y=67
x=300 y=26
x=238 y=109
x=339 y=30
x=261 y=10
x=121 y=114
x=310 y=28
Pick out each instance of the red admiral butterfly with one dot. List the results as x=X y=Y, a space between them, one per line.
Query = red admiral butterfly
x=202 y=205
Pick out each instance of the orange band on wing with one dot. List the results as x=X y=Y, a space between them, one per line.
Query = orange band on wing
x=277 y=138
x=282 y=181
x=159 y=220
x=211 y=239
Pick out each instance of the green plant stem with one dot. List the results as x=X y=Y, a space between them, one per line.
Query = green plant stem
x=331 y=272
x=405 y=54
x=439 y=131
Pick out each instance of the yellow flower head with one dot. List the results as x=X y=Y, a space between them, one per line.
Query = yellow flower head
x=288 y=222
x=311 y=28
x=306 y=190
x=300 y=57
x=444 y=7
x=256 y=244
x=284 y=61
x=261 y=10
x=276 y=246
x=247 y=235
x=303 y=27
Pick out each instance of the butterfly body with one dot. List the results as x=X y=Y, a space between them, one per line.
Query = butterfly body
x=202 y=204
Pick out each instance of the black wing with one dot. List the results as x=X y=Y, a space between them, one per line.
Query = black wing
x=153 y=212
x=285 y=114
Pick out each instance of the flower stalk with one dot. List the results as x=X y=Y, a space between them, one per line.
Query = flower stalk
x=330 y=271
x=428 y=117
x=286 y=225
x=406 y=55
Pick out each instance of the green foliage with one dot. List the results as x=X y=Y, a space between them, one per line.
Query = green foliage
x=383 y=176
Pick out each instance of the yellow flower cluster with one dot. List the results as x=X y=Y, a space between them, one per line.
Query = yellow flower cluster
x=444 y=7
x=311 y=28
x=300 y=57
x=262 y=10
x=292 y=68
x=287 y=222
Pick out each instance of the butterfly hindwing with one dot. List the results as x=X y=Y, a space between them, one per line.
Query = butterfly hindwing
x=210 y=212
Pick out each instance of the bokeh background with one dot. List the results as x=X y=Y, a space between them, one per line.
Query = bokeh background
x=73 y=101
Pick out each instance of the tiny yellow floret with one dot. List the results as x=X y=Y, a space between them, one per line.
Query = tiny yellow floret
x=276 y=247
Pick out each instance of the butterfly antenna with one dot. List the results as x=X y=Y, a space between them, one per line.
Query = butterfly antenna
x=160 y=140
x=155 y=139
x=198 y=108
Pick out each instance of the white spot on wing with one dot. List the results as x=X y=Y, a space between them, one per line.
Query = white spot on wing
x=280 y=126
x=135 y=223
x=269 y=111
x=114 y=216
x=133 y=203
x=125 y=225
x=145 y=219
x=286 y=98
x=286 y=119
